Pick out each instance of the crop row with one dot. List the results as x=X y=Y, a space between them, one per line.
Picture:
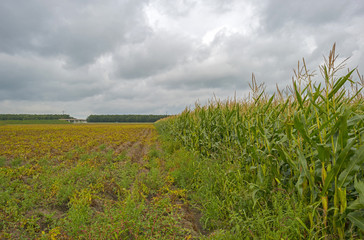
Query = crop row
x=35 y=141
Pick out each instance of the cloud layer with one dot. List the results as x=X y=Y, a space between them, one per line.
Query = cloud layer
x=158 y=56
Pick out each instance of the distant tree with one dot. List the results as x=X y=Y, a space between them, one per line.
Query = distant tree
x=34 y=116
x=124 y=118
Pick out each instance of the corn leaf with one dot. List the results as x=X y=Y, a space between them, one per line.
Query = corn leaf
x=337 y=167
x=354 y=165
x=357 y=218
x=299 y=124
x=298 y=95
x=339 y=84
x=303 y=163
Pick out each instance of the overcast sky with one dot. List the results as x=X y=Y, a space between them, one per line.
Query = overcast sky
x=159 y=56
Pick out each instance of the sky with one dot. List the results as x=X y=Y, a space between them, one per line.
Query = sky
x=161 y=56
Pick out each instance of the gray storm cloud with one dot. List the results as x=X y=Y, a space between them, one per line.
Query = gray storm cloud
x=158 y=56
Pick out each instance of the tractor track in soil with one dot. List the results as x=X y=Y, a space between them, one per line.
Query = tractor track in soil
x=137 y=152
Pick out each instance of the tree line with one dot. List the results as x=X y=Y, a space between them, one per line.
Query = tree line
x=34 y=116
x=124 y=118
x=91 y=118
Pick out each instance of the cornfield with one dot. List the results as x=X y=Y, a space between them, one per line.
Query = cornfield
x=283 y=166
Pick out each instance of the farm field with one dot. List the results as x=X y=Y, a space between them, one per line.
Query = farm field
x=288 y=165
x=98 y=181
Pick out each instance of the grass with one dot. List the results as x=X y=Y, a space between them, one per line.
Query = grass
x=285 y=166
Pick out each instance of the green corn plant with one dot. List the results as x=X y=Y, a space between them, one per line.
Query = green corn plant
x=357 y=215
x=308 y=142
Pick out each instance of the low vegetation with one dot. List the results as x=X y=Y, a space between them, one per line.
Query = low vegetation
x=87 y=182
x=285 y=166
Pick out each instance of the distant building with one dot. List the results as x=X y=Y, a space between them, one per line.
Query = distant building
x=73 y=120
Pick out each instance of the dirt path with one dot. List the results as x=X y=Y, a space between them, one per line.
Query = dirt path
x=188 y=217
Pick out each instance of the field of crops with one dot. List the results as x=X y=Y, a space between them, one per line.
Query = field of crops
x=283 y=166
x=288 y=165
x=87 y=182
